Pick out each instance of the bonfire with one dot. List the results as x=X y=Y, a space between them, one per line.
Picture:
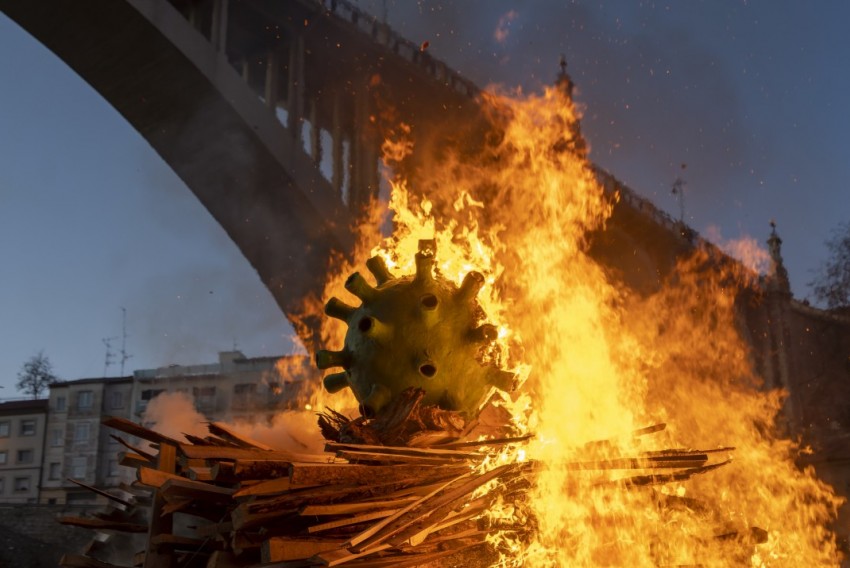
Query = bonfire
x=605 y=427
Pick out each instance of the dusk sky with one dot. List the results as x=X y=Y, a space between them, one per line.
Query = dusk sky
x=751 y=95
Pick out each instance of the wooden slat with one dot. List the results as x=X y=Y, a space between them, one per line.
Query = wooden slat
x=100 y=524
x=268 y=487
x=223 y=431
x=79 y=561
x=176 y=542
x=343 y=555
x=355 y=520
x=154 y=478
x=259 y=469
x=305 y=474
x=384 y=458
x=150 y=457
x=353 y=508
x=137 y=430
x=180 y=487
x=282 y=549
x=129 y=459
x=221 y=453
x=200 y=473
x=109 y=496
x=405 y=451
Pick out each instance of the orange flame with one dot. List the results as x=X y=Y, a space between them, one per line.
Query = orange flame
x=602 y=361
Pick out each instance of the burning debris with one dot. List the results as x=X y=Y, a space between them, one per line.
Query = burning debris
x=558 y=472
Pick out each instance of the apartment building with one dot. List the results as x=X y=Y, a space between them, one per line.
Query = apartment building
x=22 y=432
x=76 y=446
x=234 y=388
x=69 y=441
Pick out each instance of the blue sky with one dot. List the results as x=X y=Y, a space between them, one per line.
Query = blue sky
x=751 y=95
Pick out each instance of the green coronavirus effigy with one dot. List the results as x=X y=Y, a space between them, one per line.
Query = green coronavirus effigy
x=418 y=330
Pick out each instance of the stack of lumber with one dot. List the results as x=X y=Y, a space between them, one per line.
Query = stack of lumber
x=225 y=501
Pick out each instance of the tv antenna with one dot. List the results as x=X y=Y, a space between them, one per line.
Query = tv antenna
x=110 y=355
x=124 y=355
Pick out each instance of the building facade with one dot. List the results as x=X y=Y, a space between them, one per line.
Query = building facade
x=233 y=389
x=22 y=432
x=53 y=441
x=77 y=446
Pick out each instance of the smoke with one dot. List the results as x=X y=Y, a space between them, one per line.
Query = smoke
x=173 y=414
x=293 y=430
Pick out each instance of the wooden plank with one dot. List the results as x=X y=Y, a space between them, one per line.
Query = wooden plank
x=176 y=542
x=167 y=458
x=282 y=549
x=383 y=458
x=223 y=431
x=100 y=524
x=268 y=487
x=232 y=454
x=137 y=430
x=260 y=469
x=491 y=442
x=180 y=487
x=200 y=473
x=371 y=531
x=405 y=451
x=148 y=456
x=355 y=520
x=79 y=561
x=304 y=474
x=129 y=459
x=154 y=478
x=343 y=555
x=435 y=506
x=353 y=508
x=109 y=496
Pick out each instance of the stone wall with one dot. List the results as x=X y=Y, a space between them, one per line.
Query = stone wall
x=31 y=537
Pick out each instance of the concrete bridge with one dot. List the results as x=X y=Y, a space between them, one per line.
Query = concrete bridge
x=267 y=110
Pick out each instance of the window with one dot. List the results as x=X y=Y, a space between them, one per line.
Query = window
x=60 y=404
x=5 y=429
x=27 y=427
x=3 y=457
x=150 y=394
x=84 y=400
x=78 y=467
x=22 y=484
x=57 y=437
x=117 y=399
x=25 y=456
x=244 y=394
x=55 y=470
x=113 y=467
x=81 y=432
x=204 y=396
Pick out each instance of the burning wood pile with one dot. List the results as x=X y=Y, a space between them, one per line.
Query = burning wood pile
x=228 y=501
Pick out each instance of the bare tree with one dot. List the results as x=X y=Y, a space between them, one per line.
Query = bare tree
x=36 y=375
x=831 y=284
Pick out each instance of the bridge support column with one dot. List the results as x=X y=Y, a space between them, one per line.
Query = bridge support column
x=295 y=94
x=315 y=134
x=338 y=176
x=218 y=34
x=271 y=90
x=365 y=151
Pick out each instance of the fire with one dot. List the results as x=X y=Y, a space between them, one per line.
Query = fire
x=601 y=362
